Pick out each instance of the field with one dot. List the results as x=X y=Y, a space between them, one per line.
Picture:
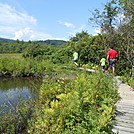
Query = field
x=16 y=55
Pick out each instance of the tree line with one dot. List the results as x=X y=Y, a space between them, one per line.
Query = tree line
x=17 y=46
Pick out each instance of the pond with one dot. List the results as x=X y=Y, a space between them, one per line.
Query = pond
x=12 y=89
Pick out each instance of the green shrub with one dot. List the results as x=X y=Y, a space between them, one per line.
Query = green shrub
x=128 y=80
x=84 y=105
x=23 y=67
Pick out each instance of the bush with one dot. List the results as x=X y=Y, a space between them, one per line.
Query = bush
x=128 y=80
x=84 y=105
x=22 y=67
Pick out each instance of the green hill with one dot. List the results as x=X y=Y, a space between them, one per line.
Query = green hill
x=17 y=46
x=49 y=42
x=53 y=42
x=6 y=40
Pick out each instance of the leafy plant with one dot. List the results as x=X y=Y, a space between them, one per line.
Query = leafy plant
x=84 y=105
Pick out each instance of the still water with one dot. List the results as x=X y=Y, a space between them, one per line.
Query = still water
x=11 y=89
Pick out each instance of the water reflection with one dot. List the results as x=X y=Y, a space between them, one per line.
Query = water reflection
x=11 y=89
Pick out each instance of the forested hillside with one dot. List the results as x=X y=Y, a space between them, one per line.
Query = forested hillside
x=53 y=42
x=16 y=46
x=6 y=40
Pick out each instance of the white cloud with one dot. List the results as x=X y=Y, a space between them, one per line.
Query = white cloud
x=28 y=34
x=15 y=23
x=97 y=31
x=23 y=34
x=67 y=24
x=77 y=30
x=9 y=16
x=18 y=25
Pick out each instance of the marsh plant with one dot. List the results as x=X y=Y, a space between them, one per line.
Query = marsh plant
x=83 y=105
x=14 y=120
x=21 y=67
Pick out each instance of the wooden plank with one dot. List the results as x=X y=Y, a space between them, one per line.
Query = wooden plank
x=90 y=70
x=125 y=110
x=118 y=119
x=125 y=124
x=121 y=132
x=81 y=68
x=125 y=129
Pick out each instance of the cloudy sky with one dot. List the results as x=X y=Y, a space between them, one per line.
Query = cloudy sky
x=46 y=19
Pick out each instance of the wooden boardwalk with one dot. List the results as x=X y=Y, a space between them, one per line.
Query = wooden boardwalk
x=125 y=110
x=81 y=68
x=124 y=120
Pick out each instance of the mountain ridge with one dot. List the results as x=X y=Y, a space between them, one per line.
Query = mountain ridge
x=49 y=42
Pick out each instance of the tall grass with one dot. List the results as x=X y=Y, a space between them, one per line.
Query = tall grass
x=15 y=55
x=23 y=67
x=15 y=120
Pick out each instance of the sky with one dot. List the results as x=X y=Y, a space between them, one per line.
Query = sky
x=47 y=19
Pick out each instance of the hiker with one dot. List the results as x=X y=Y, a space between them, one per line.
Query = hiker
x=103 y=63
x=112 y=59
x=75 y=58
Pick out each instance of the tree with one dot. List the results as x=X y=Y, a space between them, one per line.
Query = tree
x=117 y=20
x=126 y=30
x=80 y=36
x=106 y=19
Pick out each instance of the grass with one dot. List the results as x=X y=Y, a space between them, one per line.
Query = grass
x=15 y=55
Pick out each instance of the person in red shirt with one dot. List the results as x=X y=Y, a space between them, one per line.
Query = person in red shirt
x=112 y=59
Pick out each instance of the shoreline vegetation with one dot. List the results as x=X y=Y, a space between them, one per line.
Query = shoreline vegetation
x=15 y=55
x=16 y=66
x=70 y=100
x=84 y=104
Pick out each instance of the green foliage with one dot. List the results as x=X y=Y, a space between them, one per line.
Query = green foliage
x=84 y=105
x=12 y=47
x=16 y=46
x=21 y=67
x=6 y=40
x=15 y=120
x=120 y=31
x=128 y=80
x=90 y=48
x=127 y=29
x=106 y=19
x=83 y=36
x=38 y=51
